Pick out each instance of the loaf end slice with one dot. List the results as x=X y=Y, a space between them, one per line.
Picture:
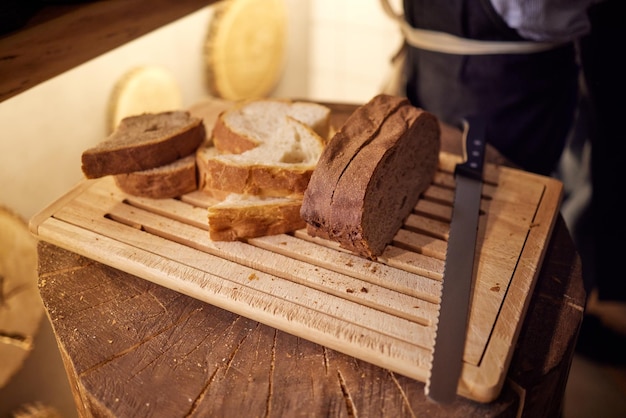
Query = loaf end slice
x=143 y=142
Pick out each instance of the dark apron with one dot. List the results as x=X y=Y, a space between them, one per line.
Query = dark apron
x=605 y=74
x=528 y=99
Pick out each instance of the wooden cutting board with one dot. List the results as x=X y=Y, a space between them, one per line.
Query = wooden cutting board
x=381 y=312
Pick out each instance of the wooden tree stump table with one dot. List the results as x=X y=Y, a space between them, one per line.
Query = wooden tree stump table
x=133 y=348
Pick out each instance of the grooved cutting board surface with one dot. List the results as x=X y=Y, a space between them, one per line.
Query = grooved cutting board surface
x=383 y=312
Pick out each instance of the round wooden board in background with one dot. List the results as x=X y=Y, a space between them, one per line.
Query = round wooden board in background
x=245 y=48
x=21 y=307
x=144 y=89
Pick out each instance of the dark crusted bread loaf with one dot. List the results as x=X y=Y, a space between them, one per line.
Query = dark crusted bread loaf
x=371 y=174
x=167 y=181
x=143 y=142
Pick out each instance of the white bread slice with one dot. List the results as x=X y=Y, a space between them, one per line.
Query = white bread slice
x=267 y=152
x=280 y=165
x=253 y=123
x=242 y=216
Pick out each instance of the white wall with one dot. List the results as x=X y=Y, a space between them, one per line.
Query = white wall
x=352 y=42
x=338 y=50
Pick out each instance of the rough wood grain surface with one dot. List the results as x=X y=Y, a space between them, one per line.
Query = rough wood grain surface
x=133 y=348
x=128 y=342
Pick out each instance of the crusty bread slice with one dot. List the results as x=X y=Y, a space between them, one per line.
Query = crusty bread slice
x=281 y=165
x=269 y=149
x=145 y=141
x=315 y=115
x=242 y=216
x=255 y=123
x=371 y=175
x=167 y=181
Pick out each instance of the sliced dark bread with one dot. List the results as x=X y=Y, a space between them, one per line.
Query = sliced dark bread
x=167 y=181
x=143 y=142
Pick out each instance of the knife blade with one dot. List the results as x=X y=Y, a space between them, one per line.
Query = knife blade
x=451 y=330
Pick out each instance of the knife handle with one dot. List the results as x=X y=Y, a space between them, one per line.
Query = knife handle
x=474 y=144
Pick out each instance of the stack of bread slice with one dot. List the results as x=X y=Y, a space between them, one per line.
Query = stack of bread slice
x=150 y=155
x=253 y=158
x=258 y=163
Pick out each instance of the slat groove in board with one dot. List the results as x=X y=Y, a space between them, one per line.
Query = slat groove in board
x=412 y=262
x=441 y=195
x=420 y=243
x=392 y=256
x=172 y=208
x=427 y=226
x=198 y=199
x=346 y=263
x=434 y=210
x=443 y=180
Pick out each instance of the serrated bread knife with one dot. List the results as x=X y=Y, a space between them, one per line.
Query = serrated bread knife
x=447 y=362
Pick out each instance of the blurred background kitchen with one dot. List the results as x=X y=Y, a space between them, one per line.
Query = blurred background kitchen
x=337 y=51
